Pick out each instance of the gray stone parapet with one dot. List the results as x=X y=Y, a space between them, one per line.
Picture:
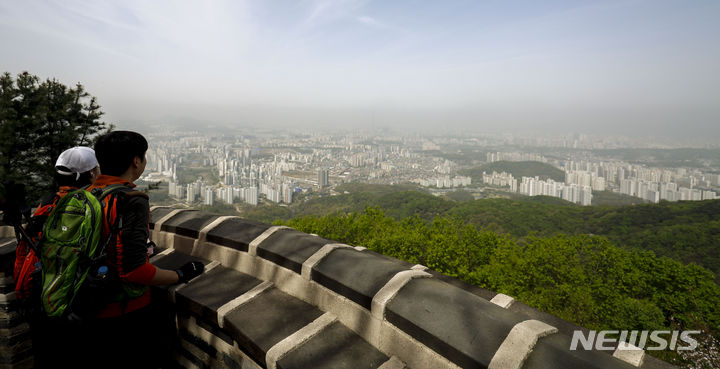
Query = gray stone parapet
x=274 y=297
x=284 y=299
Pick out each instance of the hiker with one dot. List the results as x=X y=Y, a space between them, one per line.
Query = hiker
x=121 y=335
x=75 y=168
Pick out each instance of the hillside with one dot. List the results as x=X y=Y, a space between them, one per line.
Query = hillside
x=601 y=198
x=399 y=202
x=584 y=279
x=602 y=267
x=518 y=169
x=685 y=231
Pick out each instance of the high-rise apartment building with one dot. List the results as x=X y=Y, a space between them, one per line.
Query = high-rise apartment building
x=209 y=198
x=323 y=177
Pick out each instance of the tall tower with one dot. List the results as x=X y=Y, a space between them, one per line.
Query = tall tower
x=323 y=177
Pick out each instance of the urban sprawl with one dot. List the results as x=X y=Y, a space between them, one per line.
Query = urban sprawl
x=250 y=169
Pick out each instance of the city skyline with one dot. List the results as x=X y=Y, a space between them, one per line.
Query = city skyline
x=637 y=68
x=256 y=169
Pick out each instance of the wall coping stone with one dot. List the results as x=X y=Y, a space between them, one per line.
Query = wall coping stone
x=554 y=350
x=394 y=332
x=7 y=231
x=318 y=256
x=391 y=288
x=267 y=319
x=393 y=363
x=162 y=254
x=252 y=248
x=174 y=288
x=236 y=233
x=188 y=223
x=502 y=300
x=214 y=289
x=290 y=248
x=240 y=300
x=158 y=210
x=7 y=297
x=519 y=343
x=158 y=225
x=282 y=348
x=630 y=354
x=356 y=275
x=202 y=235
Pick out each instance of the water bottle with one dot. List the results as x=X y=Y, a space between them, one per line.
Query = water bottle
x=102 y=272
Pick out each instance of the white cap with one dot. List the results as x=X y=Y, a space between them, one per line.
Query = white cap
x=79 y=159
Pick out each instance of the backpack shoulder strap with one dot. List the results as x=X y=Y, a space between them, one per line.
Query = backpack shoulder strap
x=135 y=193
x=123 y=193
x=125 y=190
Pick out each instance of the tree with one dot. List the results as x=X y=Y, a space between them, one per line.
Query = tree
x=38 y=121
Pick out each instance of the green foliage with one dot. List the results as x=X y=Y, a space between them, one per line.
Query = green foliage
x=518 y=169
x=687 y=231
x=583 y=279
x=460 y=196
x=589 y=281
x=446 y=244
x=219 y=208
x=603 y=198
x=265 y=213
x=376 y=189
x=396 y=201
x=187 y=174
x=38 y=121
x=157 y=192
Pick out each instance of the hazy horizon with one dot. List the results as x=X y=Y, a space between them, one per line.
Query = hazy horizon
x=636 y=68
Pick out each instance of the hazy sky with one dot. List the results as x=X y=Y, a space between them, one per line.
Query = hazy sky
x=647 y=66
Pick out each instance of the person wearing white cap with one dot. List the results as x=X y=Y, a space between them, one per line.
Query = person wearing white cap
x=76 y=167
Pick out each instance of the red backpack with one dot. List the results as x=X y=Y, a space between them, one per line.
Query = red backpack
x=25 y=258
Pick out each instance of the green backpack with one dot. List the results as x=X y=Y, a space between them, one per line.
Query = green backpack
x=70 y=248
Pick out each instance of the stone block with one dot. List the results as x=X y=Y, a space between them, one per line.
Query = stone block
x=290 y=248
x=11 y=336
x=236 y=233
x=479 y=291
x=335 y=347
x=7 y=256
x=9 y=319
x=175 y=260
x=455 y=323
x=356 y=275
x=157 y=214
x=266 y=320
x=212 y=290
x=650 y=362
x=563 y=326
x=188 y=223
x=553 y=352
x=15 y=353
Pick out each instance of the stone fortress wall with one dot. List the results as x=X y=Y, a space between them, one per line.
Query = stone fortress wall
x=274 y=297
